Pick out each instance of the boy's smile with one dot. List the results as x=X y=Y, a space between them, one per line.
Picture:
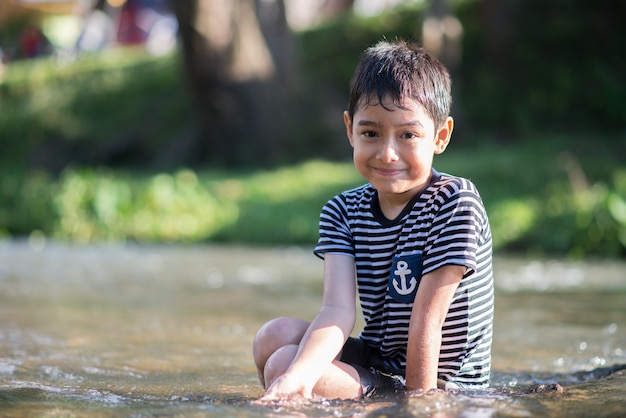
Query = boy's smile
x=393 y=149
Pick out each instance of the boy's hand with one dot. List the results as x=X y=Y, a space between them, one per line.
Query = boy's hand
x=286 y=389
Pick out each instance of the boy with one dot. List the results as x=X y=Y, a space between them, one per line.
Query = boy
x=414 y=242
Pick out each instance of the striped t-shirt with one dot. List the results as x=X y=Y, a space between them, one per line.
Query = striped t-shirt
x=444 y=224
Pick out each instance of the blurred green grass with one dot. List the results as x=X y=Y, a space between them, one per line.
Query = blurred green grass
x=534 y=204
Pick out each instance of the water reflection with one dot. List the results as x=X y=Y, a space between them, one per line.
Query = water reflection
x=159 y=330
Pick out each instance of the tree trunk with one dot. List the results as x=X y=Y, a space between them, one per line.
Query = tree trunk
x=498 y=30
x=333 y=8
x=442 y=33
x=232 y=74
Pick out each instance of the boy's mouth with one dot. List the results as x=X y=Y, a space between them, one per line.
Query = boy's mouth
x=387 y=172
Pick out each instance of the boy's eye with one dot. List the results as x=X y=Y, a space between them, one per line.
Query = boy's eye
x=409 y=135
x=370 y=134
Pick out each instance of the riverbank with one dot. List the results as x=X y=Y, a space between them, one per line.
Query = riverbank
x=542 y=198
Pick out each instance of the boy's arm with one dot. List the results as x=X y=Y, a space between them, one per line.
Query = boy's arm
x=429 y=312
x=327 y=333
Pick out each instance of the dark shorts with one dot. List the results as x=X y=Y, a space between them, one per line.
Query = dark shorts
x=376 y=376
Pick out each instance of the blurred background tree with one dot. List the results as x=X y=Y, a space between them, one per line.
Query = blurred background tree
x=241 y=71
x=259 y=90
x=146 y=86
x=544 y=66
x=238 y=60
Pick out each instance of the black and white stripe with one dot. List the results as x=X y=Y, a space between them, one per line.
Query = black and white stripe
x=448 y=224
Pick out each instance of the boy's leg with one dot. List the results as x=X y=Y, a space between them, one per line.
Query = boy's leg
x=339 y=381
x=279 y=339
x=272 y=336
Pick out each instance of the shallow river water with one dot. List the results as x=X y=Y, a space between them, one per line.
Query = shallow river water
x=167 y=330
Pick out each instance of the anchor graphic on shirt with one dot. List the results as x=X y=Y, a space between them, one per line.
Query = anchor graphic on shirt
x=403 y=271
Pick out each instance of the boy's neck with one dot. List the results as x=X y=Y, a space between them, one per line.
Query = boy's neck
x=393 y=204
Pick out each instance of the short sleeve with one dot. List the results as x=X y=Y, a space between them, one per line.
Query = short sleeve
x=335 y=235
x=457 y=227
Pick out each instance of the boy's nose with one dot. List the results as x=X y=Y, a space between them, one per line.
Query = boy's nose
x=387 y=152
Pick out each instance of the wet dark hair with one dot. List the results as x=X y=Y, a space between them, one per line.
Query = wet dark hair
x=403 y=71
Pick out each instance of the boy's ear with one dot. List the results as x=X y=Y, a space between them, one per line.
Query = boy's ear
x=443 y=134
x=348 y=123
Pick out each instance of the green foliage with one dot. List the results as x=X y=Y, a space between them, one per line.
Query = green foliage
x=97 y=206
x=283 y=205
x=78 y=112
x=511 y=219
x=575 y=222
x=543 y=200
x=554 y=210
x=543 y=65
x=277 y=207
x=329 y=53
x=58 y=118
x=583 y=220
x=25 y=202
x=122 y=108
x=616 y=205
x=526 y=67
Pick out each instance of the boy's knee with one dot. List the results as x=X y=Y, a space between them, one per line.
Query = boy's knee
x=269 y=331
x=280 y=331
x=275 y=334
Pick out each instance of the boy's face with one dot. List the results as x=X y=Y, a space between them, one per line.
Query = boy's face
x=393 y=149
